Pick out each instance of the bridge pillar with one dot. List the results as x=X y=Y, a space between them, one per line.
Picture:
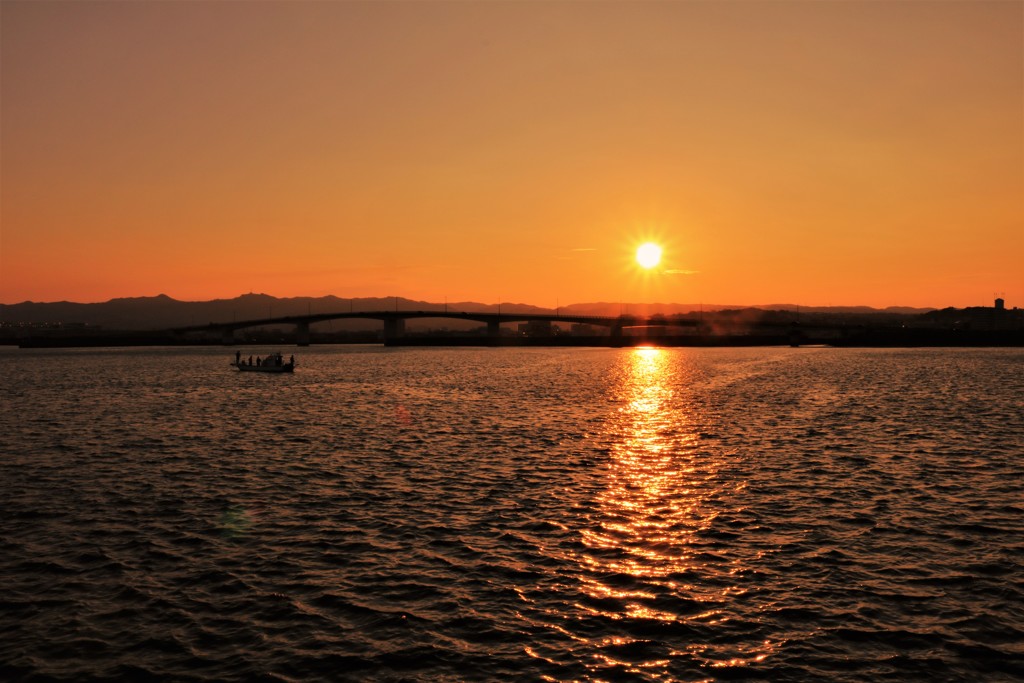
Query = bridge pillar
x=616 y=334
x=393 y=329
x=227 y=336
x=493 y=332
x=302 y=334
x=795 y=336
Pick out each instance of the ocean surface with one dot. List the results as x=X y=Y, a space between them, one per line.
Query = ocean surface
x=394 y=514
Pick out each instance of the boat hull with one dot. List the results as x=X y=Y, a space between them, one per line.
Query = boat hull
x=243 y=367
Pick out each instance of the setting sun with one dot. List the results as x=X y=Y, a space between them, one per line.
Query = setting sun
x=648 y=255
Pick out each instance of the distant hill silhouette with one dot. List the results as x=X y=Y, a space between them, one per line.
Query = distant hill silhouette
x=605 y=308
x=163 y=312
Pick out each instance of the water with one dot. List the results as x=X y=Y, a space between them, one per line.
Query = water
x=513 y=514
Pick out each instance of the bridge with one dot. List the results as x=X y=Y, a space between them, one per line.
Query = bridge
x=394 y=322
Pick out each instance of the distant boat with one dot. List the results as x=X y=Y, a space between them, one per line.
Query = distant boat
x=272 y=363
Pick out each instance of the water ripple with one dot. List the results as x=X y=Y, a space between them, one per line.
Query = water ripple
x=513 y=514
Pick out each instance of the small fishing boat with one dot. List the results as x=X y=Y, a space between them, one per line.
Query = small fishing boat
x=272 y=363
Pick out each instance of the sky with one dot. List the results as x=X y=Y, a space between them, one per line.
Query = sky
x=829 y=152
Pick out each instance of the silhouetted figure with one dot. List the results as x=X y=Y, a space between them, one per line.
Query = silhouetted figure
x=250 y=360
x=238 y=357
x=259 y=361
x=291 y=361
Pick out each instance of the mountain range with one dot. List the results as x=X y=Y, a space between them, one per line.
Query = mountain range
x=163 y=312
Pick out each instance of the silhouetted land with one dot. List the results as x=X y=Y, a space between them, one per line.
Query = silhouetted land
x=46 y=325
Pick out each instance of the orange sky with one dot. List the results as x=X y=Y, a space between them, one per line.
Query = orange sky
x=806 y=152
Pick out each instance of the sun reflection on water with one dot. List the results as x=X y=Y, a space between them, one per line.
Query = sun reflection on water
x=647 y=547
x=651 y=505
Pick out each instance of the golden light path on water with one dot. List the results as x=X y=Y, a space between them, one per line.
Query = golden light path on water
x=662 y=491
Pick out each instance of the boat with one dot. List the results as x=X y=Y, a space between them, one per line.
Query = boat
x=272 y=363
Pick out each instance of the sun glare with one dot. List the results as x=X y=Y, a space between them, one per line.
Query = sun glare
x=648 y=255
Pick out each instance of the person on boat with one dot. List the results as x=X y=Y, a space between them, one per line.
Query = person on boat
x=291 y=361
x=238 y=357
x=259 y=361
x=250 y=360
